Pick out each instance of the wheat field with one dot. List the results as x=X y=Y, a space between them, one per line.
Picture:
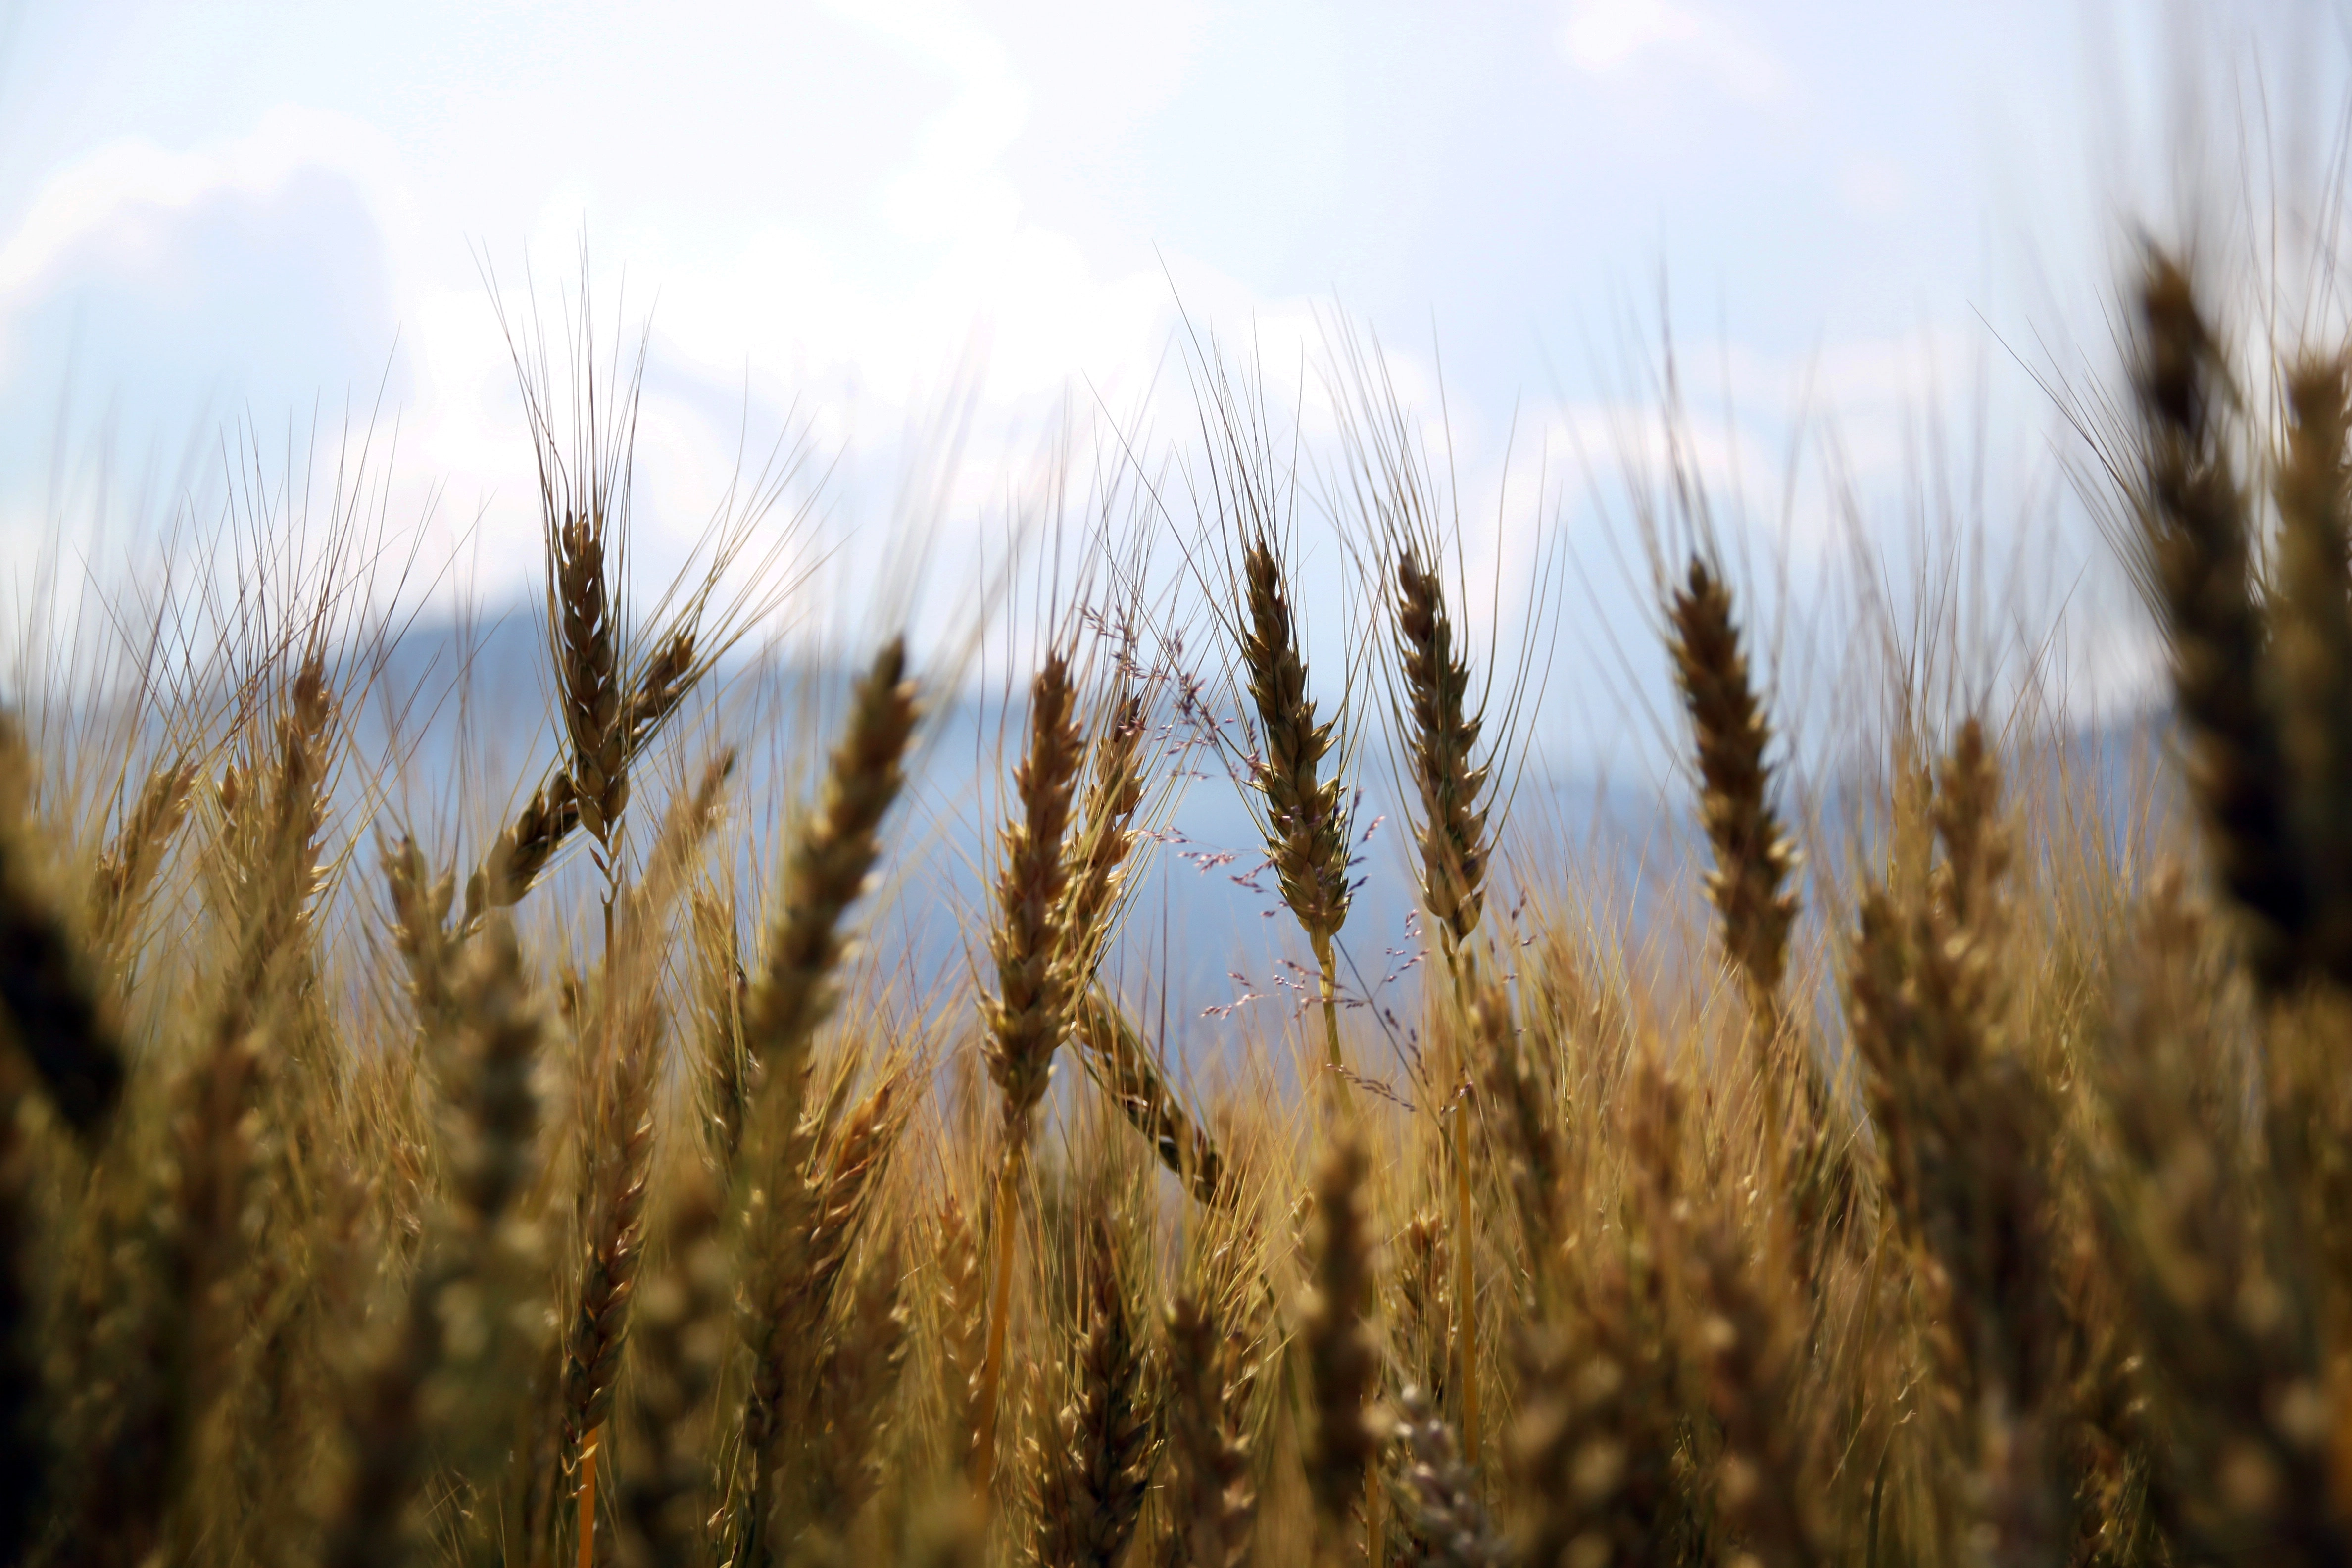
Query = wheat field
x=2004 y=1223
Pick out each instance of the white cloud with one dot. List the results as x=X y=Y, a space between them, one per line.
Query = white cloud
x=1606 y=37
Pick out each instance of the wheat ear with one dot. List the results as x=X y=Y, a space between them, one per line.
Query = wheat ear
x=1105 y=838
x=1117 y=1059
x=451 y=1339
x=622 y=1035
x=963 y=1328
x=2311 y=645
x=1306 y=815
x=26 y=1418
x=1438 y=1493
x=849 y=1416
x=2196 y=530
x=1215 y=1505
x=832 y=855
x=681 y=1333
x=1031 y=1012
x=1095 y=1466
x=1442 y=741
x=801 y=1239
x=1343 y=1363
x=58 y=1014
x=126 y=871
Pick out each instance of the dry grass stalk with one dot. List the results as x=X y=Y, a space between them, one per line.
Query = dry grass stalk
x=1213 y=1493
x=1093 y=1464
x=1307 y=814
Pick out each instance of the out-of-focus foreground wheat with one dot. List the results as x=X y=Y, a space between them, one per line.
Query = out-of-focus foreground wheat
x=2009 y=1224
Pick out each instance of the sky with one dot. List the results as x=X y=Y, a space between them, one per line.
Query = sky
x=858 y=223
